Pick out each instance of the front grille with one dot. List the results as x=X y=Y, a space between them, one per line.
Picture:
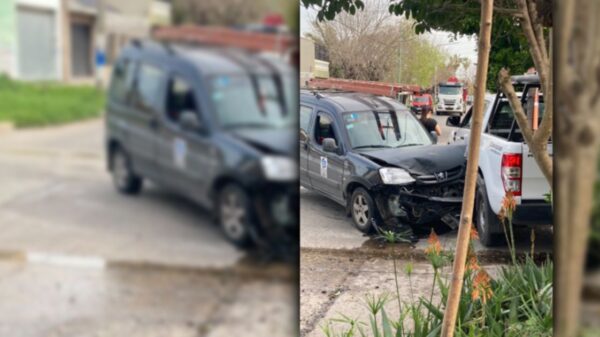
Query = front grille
x=449 y=101
x=442 y=176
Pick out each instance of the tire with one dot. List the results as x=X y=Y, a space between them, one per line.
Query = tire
x=488 y=223
x=124 y=179
x=234 y=215
x=363 y=210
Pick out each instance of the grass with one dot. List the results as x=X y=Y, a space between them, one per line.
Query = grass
x=39 y=104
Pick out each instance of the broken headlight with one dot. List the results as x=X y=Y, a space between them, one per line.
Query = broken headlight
x=278 y=168
x=395 y=176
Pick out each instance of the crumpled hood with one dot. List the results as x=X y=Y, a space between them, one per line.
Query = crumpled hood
x=275 y=141
x=426 y=159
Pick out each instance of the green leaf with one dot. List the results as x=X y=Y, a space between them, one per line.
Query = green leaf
x=387 y=329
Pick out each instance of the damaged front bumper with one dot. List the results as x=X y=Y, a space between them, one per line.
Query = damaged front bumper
x=419 y=204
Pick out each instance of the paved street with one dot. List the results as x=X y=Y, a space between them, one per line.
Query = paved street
x=89 y=259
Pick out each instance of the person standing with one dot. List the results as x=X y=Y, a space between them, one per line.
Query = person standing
x=429 y=122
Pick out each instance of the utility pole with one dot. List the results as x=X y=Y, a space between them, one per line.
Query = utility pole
x=66 y=40
x=462 y=244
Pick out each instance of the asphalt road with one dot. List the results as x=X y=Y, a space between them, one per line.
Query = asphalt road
x=79 y=259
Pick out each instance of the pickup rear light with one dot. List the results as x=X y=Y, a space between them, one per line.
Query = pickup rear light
x=512 y=173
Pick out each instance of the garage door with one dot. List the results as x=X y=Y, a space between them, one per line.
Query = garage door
x=81 y=44
x=37 y=44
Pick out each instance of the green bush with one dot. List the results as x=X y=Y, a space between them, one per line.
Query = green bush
x=517 y=303
x=37 y=104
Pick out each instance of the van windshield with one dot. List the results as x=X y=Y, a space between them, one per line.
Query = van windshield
x=393 y=129
x=241 y=103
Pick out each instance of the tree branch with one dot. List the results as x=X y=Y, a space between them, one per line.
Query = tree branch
x=538 y=145
x=515 y=104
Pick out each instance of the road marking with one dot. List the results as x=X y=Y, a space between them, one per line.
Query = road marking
x=62 y=260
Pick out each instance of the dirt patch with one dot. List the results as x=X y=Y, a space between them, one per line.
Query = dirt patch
x=323 y=278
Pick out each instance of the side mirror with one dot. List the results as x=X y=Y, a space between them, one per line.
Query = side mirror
x=453 y=121
x=329 y=145
x=434 y=137
x=189 y=121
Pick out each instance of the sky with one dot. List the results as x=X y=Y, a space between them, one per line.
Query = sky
x=462 y=46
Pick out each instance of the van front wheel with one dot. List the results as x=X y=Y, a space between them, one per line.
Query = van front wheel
x=235 y=214
x=124 y=179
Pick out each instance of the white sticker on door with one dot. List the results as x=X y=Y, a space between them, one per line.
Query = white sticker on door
x=179 y=152
x=324 y=167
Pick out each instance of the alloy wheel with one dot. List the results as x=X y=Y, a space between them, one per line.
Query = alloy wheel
x=361 y=210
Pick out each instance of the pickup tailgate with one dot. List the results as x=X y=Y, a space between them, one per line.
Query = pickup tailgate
x=535 y=185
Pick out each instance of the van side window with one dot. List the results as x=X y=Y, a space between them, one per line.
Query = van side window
x=122 y=81
x=324 y=129
x=180 y=98
x=305 y=114
x=148 y=85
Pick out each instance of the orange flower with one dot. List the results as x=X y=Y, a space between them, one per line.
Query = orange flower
x=435 y=247
x=508 y=202
x=473 y=264
x=474 y=235
x=481 y=286
x=502 y=214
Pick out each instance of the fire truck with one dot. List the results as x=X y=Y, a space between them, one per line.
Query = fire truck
x=451 y=97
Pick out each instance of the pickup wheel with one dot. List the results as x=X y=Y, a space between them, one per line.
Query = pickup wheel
x=235 y=214
x=485 y=218
x=124 y=179
x=363 y=210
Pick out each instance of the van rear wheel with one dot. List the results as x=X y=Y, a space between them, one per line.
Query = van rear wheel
x=124 y=179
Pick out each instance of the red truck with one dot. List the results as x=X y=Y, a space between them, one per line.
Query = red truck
x=421 y=101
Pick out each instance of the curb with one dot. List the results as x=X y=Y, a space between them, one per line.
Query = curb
x=408 y=252
x=246 y=268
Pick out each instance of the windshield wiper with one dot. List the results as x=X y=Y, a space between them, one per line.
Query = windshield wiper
x=410 y=144
x=372 y=146
x=247 y=125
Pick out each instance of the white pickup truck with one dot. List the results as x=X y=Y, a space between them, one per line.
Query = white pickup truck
x=506 y=164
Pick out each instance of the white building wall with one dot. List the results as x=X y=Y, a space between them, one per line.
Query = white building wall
x=7 y=37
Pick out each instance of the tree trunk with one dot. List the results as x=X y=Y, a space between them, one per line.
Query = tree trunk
x=576 y=155
x=462 y=245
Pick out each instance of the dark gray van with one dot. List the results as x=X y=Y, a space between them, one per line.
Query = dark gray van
x=371 y=155
x=213 y=124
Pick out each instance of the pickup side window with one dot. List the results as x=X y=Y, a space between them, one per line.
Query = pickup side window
x=324 y=129
x=466 y=122
x=502 y=121
x=180 y=98
x=305 y=114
